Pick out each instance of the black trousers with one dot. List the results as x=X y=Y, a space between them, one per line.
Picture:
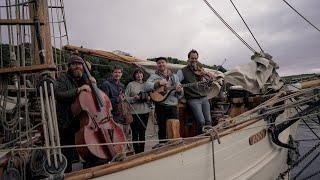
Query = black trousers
x=163 y=113
x=139 y=131
x=71 y=154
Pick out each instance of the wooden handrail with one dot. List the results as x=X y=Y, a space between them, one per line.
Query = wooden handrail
x=17 y=22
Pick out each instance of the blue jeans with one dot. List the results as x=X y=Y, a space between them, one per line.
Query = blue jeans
x=201 y=111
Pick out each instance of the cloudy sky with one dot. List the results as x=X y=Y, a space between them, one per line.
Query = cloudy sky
x=152 y=28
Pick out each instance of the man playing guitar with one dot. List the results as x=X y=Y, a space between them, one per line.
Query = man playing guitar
x=166 y=109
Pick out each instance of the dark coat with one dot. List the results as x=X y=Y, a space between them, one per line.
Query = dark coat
x=192 y=92
x=65 y=94
x=113 y=91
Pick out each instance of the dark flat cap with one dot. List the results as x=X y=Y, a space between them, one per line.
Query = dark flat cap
x=75 y=59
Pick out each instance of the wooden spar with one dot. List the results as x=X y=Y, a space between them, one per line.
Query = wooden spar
x=104 y=54
x=28 y=69
x=271 y=101
x=17 y=22
x=310 y=84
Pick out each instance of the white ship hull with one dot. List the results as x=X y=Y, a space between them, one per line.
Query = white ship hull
x=235 y=158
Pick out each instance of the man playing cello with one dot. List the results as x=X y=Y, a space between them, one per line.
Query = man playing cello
x=93 y=124
x=67 y=88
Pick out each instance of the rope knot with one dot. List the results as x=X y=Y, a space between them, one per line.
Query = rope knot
x=212 y=131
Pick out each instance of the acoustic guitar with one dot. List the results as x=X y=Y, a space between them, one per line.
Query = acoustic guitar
x=161 y=93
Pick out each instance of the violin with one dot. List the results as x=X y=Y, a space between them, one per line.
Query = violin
x=124 y=109
x=96 y=124
x=199 y=71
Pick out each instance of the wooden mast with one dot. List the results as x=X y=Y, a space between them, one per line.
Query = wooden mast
x=41 y=12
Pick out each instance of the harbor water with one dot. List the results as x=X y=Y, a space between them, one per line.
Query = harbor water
x=307 y=140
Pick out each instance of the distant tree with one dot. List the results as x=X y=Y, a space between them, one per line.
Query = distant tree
x=177 y=61
x=101 y=68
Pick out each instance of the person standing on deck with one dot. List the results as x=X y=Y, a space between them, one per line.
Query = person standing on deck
x=67 y=88
x=168 y=108
x=140 y=109
x=196 y=97
x=115 y=90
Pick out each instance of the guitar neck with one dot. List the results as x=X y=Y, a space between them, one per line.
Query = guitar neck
x=187 y=85
x=192 y=84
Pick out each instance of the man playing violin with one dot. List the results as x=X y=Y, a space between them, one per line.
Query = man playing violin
x=115 y=90
x=166 y=109
x=67 y=88
x=196 y=96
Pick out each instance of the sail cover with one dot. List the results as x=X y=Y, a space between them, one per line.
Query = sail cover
x=258 y=76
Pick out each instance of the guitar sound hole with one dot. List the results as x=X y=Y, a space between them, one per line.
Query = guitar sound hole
x=163 y=93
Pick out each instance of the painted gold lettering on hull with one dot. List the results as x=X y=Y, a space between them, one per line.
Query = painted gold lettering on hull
x=257 y=137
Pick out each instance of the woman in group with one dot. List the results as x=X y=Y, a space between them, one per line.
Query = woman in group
x=140 y=108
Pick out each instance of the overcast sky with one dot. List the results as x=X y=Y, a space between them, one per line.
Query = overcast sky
x=152 y=28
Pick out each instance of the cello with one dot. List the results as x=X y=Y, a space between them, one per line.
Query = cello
x=96 y=124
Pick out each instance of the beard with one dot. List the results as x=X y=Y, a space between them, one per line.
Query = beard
x=194 y=65
x=77 y=73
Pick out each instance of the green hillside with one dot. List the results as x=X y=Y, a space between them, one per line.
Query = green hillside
x=101 y=68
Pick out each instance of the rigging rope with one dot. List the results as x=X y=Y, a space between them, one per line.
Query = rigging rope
x=155 y=140
x=246 y=25
x=306 y=166
x=213 y=158
x=102 y=144
x=311 y=175
x=310 y=129
x=299 y=109
x=213 y=133
x=64 y=20
x=281 y=175
x=229 y=27
x=22 y=135
x=301 y=15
